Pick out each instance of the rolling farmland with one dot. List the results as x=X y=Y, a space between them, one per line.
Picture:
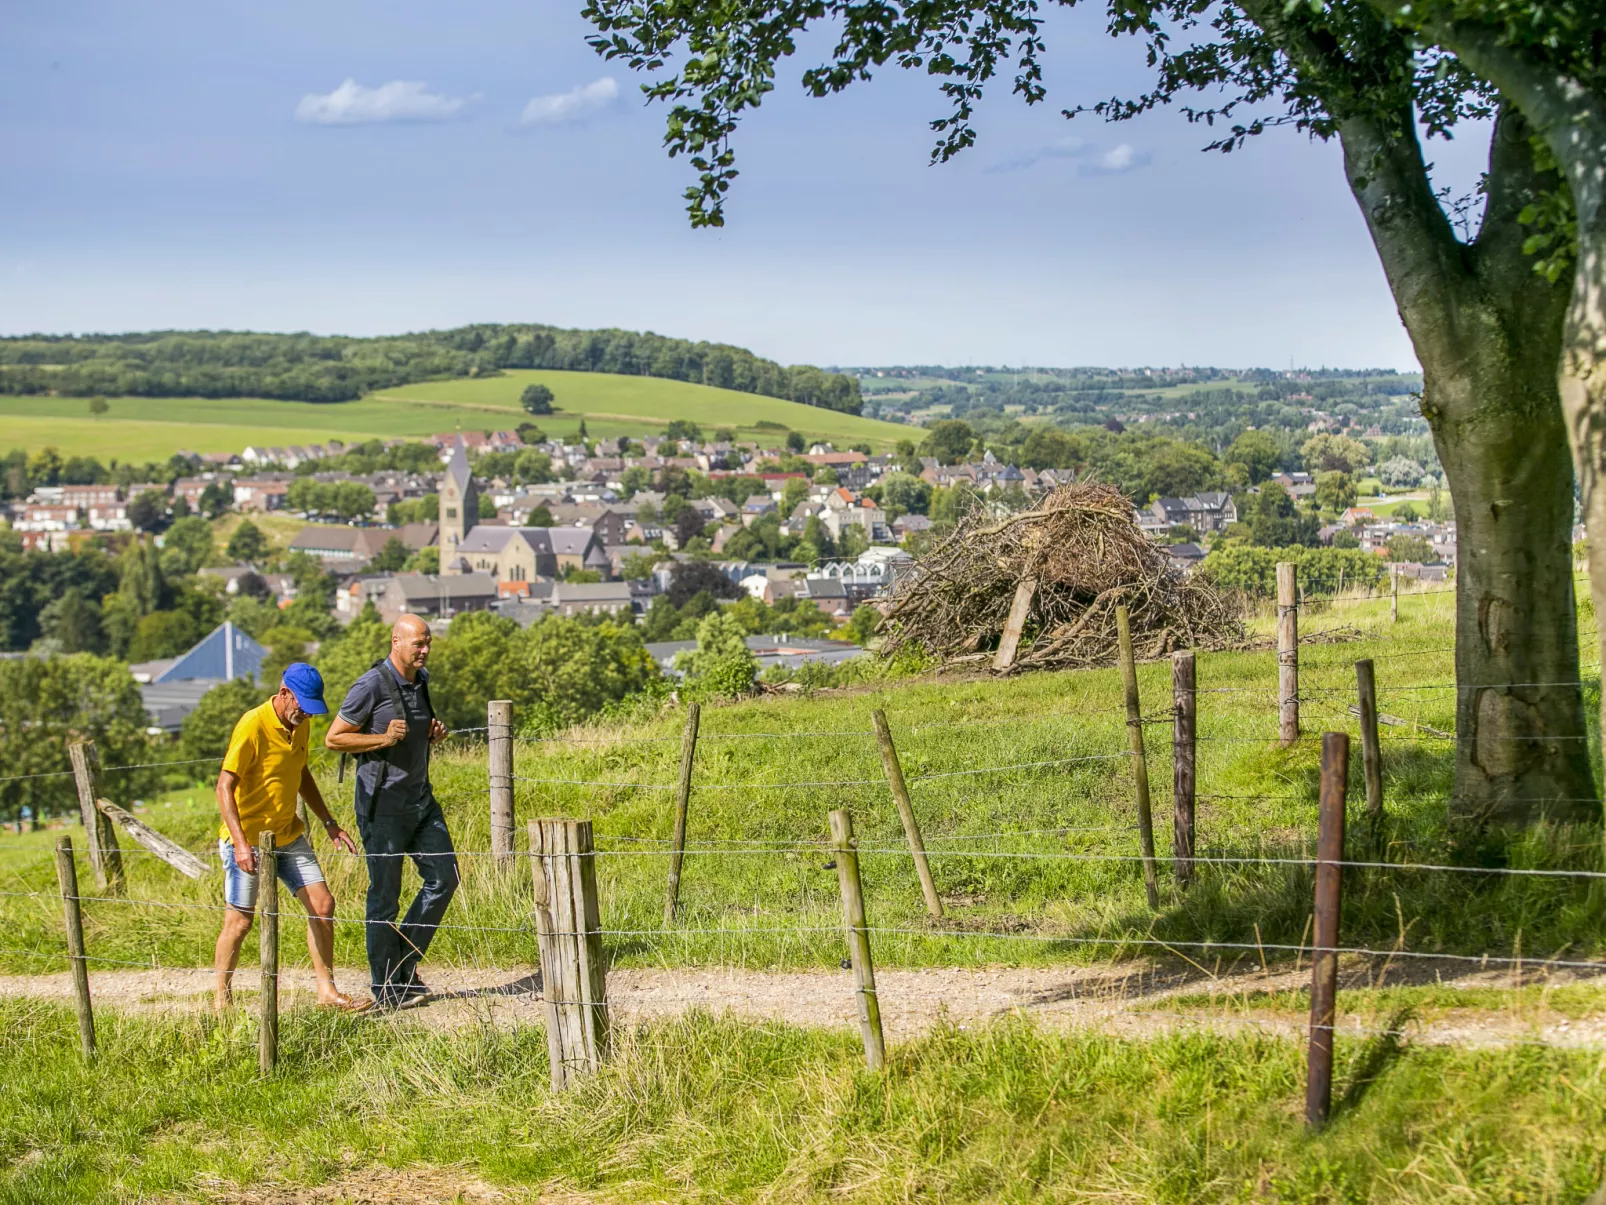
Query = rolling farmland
x=139 y=428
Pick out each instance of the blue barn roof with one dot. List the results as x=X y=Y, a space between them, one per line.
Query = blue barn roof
x=226 y=654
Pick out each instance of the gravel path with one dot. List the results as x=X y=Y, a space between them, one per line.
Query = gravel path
x=1118 y=998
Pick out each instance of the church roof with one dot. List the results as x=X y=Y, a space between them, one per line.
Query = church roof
x=457 y=469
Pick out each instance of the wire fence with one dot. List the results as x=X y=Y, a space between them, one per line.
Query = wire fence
x=965 y=847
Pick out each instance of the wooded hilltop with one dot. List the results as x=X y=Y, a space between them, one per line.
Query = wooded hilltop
x=338 y=368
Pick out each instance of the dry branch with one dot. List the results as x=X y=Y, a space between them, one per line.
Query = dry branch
x=1087 y=557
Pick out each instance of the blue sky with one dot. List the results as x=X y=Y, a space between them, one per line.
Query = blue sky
x=208 y=165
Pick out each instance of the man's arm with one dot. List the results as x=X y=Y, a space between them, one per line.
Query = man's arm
x=331 y=827
x=244 y=856
x=346 y=737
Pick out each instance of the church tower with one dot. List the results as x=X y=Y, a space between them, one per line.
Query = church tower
x=460 y=507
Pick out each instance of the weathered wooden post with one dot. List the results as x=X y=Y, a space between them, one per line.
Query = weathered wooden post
x=169 y=851
x=1371 y=752
x=855 y=929
x=67 y=876
x=906 y=811
x=1185 y=703
x=499 y=731
x=1324 y=949
x=268 y=935
x=105 y=858
x=1394 y=593
x=1140 y=764
x=568 y=929
x=1020 y=609
x=677 y=847
x=1287 y=653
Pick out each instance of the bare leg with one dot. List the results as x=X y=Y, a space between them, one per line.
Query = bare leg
x=320 y=906
x=236 y=924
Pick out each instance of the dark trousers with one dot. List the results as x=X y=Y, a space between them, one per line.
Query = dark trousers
x=391 y=828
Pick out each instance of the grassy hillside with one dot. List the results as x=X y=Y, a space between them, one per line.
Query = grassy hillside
x=139 y=428
x=620 y=405
x=1024 y=791
x=715 y=1110
x=1034 y=855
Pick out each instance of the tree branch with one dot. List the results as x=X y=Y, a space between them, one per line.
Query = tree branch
x=1425 y=263
x=1568 y=115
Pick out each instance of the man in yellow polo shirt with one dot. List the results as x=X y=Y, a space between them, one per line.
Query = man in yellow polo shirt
x=263 y=771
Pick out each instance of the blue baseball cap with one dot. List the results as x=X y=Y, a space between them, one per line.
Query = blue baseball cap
x=306 y=684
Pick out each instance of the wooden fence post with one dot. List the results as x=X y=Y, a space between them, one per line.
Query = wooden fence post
x=168 y=850
x=67 y=876
x=906 y=811
x=1394 y=593
x=855 y=930
x=1324 y=947
x=568 y=928
x=1185 y=701
x=1371 y=751
x=1140 y=764
x=1287 y=653
x=677 y=848
x=1020 y=608
x=105 y=858
x=268 y=934
x=499 y=730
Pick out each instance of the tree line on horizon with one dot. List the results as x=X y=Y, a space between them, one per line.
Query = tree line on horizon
x=338 y=368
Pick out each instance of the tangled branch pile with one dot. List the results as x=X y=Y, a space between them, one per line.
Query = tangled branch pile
x=1068 y=564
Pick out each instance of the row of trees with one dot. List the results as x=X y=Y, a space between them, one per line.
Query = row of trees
x=226 y=364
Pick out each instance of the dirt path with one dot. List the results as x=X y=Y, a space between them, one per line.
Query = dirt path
x=1121 y=998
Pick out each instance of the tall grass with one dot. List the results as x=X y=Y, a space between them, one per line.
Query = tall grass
x=755 y=891
x=707 y=1109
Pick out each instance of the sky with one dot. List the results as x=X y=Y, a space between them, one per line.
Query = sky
x=367 y=167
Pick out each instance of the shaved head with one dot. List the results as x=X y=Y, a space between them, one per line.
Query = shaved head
x=408 y=625
x=409 y=645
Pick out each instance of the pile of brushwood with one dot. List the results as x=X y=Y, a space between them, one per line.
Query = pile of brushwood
x=1039 y=590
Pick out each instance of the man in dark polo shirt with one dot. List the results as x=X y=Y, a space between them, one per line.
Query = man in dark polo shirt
x=387 y=721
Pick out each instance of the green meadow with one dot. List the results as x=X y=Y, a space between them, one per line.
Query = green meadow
x=141 y=428
x=1024 y=791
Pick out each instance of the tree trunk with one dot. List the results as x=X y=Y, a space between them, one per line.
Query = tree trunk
x=1488 y=332
x=1520 y=752
x=1583 y=386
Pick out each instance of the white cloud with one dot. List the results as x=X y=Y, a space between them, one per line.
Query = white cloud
x=574 y=105
x=1065 y=148
x=1113 y=162
x=399 y=101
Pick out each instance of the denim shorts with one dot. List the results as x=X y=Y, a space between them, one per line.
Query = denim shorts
x=298 y=866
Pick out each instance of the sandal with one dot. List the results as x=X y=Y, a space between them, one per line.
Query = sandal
x=346 y=1004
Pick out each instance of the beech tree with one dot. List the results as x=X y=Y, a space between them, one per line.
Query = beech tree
x=1487 y=328
x=1548 y=60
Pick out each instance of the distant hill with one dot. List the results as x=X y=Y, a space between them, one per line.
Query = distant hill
x=316 y=368
x=143 y=429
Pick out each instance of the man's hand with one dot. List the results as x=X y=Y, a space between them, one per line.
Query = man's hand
x=339 y=838
x=437 y=731
x=395 y=732
x=245 y=858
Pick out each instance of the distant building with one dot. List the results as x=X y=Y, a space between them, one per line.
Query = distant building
x=788 y=651
x=1210 y=510
x=173 y=688
x=460 y=509
x=432 y=594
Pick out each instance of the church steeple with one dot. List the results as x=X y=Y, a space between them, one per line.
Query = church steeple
x=460 y=506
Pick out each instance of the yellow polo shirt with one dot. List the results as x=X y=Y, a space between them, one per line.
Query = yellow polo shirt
x=268 y=762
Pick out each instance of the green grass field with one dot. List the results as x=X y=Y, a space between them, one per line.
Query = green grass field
x=140 y=429
x=994 y=792
x=710 y=1109
x=620 y=405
